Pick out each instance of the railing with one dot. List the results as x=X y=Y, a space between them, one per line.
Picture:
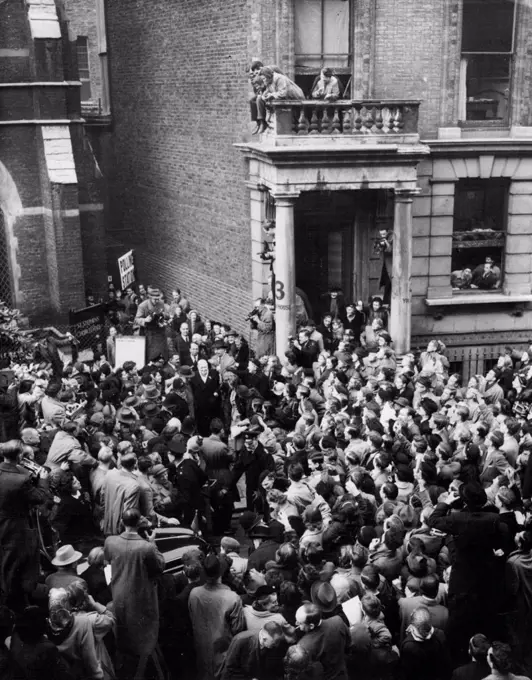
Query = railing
x=343 y=117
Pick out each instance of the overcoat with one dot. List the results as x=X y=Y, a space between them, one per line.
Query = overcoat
x=135 y=564
x=19 y=551
x=207 y=402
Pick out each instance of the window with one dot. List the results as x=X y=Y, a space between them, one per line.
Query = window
x=485 y=69
x=82 y=48
x=480 y=208
x=322 y=38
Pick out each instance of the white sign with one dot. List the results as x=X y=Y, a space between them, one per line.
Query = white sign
x=126 y=265
x=130 y=348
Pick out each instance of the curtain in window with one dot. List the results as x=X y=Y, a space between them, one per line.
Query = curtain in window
x=322 y=33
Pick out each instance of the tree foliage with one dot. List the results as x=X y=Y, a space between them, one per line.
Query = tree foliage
x=14 y=343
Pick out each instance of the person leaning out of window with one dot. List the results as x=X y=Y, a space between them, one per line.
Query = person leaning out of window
x=326 y=86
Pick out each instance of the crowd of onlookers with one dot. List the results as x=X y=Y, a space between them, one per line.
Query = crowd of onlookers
x=346 y=513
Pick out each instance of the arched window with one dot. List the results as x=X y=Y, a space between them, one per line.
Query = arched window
x=6 y=292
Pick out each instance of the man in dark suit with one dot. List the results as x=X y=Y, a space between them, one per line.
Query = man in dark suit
x=252 y=461
x=20 y=492
x=207 y=401
x=182 y=345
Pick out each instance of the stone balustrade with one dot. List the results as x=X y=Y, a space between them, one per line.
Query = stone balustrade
x=343 y=117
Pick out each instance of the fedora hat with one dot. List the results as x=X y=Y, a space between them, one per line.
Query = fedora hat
x=66 y=555
x=158 y=470
x=186 y=372
x=323 y=596
x=150 y=410
x=151 y=392
x=219 y=344
x=131 y=402
x=126 y=415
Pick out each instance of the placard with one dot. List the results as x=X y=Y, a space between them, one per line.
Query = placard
x=126 y=266
x=87 y=326
x=130 y=348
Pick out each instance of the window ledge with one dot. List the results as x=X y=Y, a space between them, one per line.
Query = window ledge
x=478 y=299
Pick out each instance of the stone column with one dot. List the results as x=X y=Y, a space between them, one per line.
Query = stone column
x=285 y=271
x=401 y=302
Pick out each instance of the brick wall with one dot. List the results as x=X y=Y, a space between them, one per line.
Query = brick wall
x=408 y=55
x=177 y=189
x=81 y=17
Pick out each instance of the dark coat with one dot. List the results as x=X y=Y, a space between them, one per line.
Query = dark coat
x=474 y=588
x=19 y=554
x=428 y=660
x=183 y=349
x=263 y=554
x=189 y=479
x=207 y=402
x=246 y=660
x=252 y=465
x=136 y=564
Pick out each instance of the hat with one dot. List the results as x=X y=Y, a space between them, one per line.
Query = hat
x=66 y=555
x=253 y=431
x=230 y=334
x=323 y=596
x=264 y=591
x=97 y=419
x=402 y=402
x=150 y=410
x=188 y=426
x=260 y=530
x=248 y=520
x=157 y=470
x=186 y=372
x=131 y=402
x=151 y=392
x=278 y=388
x=243 y=392
x=219 y=344
x=126 y=415
x=177 y=445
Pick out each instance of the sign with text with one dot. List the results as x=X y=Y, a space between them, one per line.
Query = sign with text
x=130 y=348
x=87 y=326
x=126 y=266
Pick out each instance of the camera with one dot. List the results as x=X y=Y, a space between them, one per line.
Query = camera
x=251 y=316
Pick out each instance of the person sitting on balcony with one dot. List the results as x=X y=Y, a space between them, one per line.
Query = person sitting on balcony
x=326 y=86
x=277 y=86
x=257 y=83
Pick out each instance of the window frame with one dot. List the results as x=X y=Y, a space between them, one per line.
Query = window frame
x=470 y=184
x=82 y=43
x=463 y=98
x=343 y=72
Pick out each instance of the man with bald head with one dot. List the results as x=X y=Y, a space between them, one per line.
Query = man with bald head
x=207 y=400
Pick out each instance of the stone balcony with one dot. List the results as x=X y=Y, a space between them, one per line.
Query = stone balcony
x=342 y=123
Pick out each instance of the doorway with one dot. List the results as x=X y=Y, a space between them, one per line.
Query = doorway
x=335 y=232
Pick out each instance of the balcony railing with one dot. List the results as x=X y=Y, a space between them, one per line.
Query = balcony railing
x=346 y=118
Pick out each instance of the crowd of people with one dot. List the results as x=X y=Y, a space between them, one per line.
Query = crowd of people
x=363 y=515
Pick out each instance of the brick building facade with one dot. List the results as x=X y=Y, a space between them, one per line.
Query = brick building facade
x=431 y=140
x=49 y=181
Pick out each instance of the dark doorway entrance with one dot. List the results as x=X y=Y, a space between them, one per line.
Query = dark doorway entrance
x=324 y=237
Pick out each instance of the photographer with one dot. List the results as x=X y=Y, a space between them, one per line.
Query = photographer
x=383 y=245
x=20 y=492
x=473 y=589
x=261 y=319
